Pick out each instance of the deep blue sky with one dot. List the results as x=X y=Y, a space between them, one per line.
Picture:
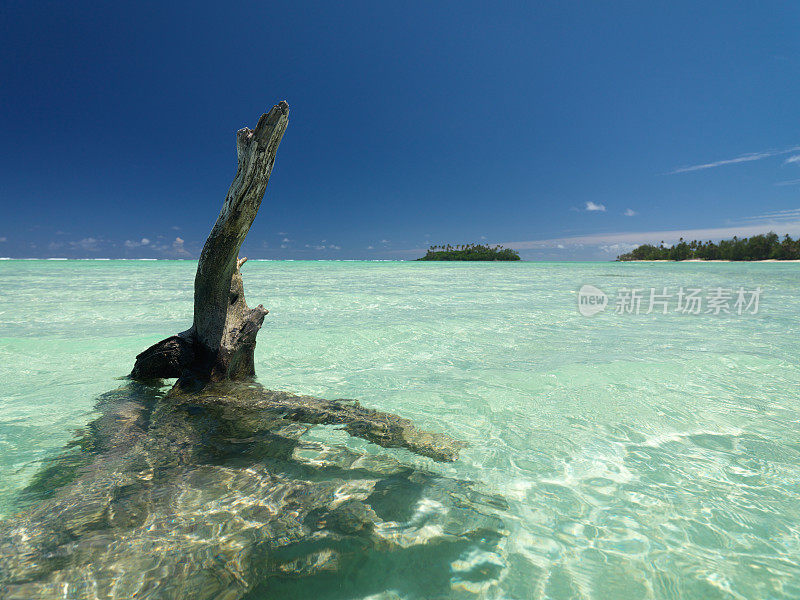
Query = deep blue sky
x=410 y=124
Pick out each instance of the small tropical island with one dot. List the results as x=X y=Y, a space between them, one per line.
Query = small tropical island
x=758 y=247
x=470 y=252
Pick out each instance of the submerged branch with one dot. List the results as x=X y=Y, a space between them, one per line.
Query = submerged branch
x=384 y=429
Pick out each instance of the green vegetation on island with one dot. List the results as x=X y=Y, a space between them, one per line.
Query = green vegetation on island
x=759 y=247
x=470 y=252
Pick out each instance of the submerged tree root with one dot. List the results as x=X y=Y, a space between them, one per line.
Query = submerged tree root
x=213 y=494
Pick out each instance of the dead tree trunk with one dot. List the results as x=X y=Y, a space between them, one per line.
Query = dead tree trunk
x=222 y=339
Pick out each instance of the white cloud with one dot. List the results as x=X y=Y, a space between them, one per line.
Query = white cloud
x=88 y=243
x=616 y=249
x=592 y=207
x=170 y=249
x=775 y=216
x=370 y=247
x=629 y=212
x=792 y=159
x=2 y=239
x=384 y=241
x=178 y=249
x=790 y=182
x=720 y=163
x=732 y=161
x=132 y=244
x=286 y=240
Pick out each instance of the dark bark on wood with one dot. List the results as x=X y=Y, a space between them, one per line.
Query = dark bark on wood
x=221 y=342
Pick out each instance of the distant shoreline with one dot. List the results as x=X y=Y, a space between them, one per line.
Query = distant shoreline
x=767 y=247
x=704 y=260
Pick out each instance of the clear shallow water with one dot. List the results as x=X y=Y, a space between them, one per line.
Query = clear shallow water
x=649 y=456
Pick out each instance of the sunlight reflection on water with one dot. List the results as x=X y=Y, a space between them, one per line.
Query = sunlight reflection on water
x=649 y=456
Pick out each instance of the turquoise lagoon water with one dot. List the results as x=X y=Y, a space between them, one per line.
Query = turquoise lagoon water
x=641 y=456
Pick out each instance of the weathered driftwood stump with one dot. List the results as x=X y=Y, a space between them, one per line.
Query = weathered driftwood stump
x=221 y=341
x=210 y=491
